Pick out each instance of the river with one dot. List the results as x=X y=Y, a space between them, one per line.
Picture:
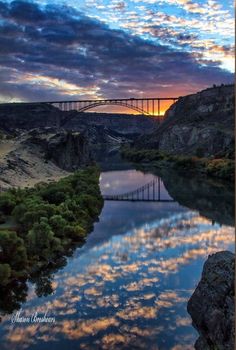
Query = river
x=127 y=287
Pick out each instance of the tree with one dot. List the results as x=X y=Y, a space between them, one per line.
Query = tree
x=76 y=232
x=7 y=203
x=5 y=274
x=12 y=250
x=41 y=239
x=58 y=223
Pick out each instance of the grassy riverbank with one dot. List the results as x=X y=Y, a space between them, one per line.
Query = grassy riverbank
x=38 y=224
x=222 y=168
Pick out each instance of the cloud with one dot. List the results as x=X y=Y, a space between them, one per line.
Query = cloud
x=49 y=52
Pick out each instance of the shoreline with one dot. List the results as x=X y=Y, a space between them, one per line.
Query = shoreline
x=218 y=168
x=50 y=220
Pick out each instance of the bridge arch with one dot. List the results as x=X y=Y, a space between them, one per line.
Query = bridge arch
x=123 y=104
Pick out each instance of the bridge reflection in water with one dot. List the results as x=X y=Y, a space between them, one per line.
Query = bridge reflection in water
x=150 y=192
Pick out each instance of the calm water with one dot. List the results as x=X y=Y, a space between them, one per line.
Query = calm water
x=128 y=286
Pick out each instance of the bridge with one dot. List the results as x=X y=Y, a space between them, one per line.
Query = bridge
x=146 y=106
x=150 y=106
x=150 y=192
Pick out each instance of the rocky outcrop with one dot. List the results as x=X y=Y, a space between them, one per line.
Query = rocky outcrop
x=200 y=124
x=68 y=150
x=41 y=155
x=212 y=304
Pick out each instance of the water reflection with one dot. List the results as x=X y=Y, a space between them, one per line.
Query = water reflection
x=128 y=286
x=212 y=198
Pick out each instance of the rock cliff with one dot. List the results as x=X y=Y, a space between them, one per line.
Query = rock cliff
x=68 y=150
x=41 y=155
x=200 y=124
x=212 y=304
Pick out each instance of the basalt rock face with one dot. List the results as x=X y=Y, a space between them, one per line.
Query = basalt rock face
x=200 y=124
x=41 y=155
x=68 y=150
x=212 y=304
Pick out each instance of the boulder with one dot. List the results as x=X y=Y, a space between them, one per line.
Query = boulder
x=212 y=304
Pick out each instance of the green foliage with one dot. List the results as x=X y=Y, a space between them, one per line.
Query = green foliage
x=13 y=250
x=7 y=203
x=5 y=274
x=185 y=162
x=223 y=168
x=48 y=217
x=58 y=223
x=75 y=232
x=143 y=155
x=41 y=239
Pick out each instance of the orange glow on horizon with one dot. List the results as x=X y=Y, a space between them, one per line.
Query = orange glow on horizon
x=164 y=106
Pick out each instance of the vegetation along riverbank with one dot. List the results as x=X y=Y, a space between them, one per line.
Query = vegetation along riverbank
x=37 y=225
x=222 y=168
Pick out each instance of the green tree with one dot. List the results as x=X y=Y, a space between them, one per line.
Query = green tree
x=5 y=274
x=41 y=239
x=7 y=203
x=12 y=250
x=57 y=222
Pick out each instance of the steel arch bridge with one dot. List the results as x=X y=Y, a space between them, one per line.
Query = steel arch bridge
x=150 y=192
x=147 y=106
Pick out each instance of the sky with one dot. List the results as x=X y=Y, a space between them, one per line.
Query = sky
x=87 y=49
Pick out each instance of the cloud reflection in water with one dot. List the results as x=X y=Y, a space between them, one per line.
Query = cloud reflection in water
x=131 y=289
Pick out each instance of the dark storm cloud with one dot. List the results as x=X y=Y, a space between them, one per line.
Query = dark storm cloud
x=62 y=43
